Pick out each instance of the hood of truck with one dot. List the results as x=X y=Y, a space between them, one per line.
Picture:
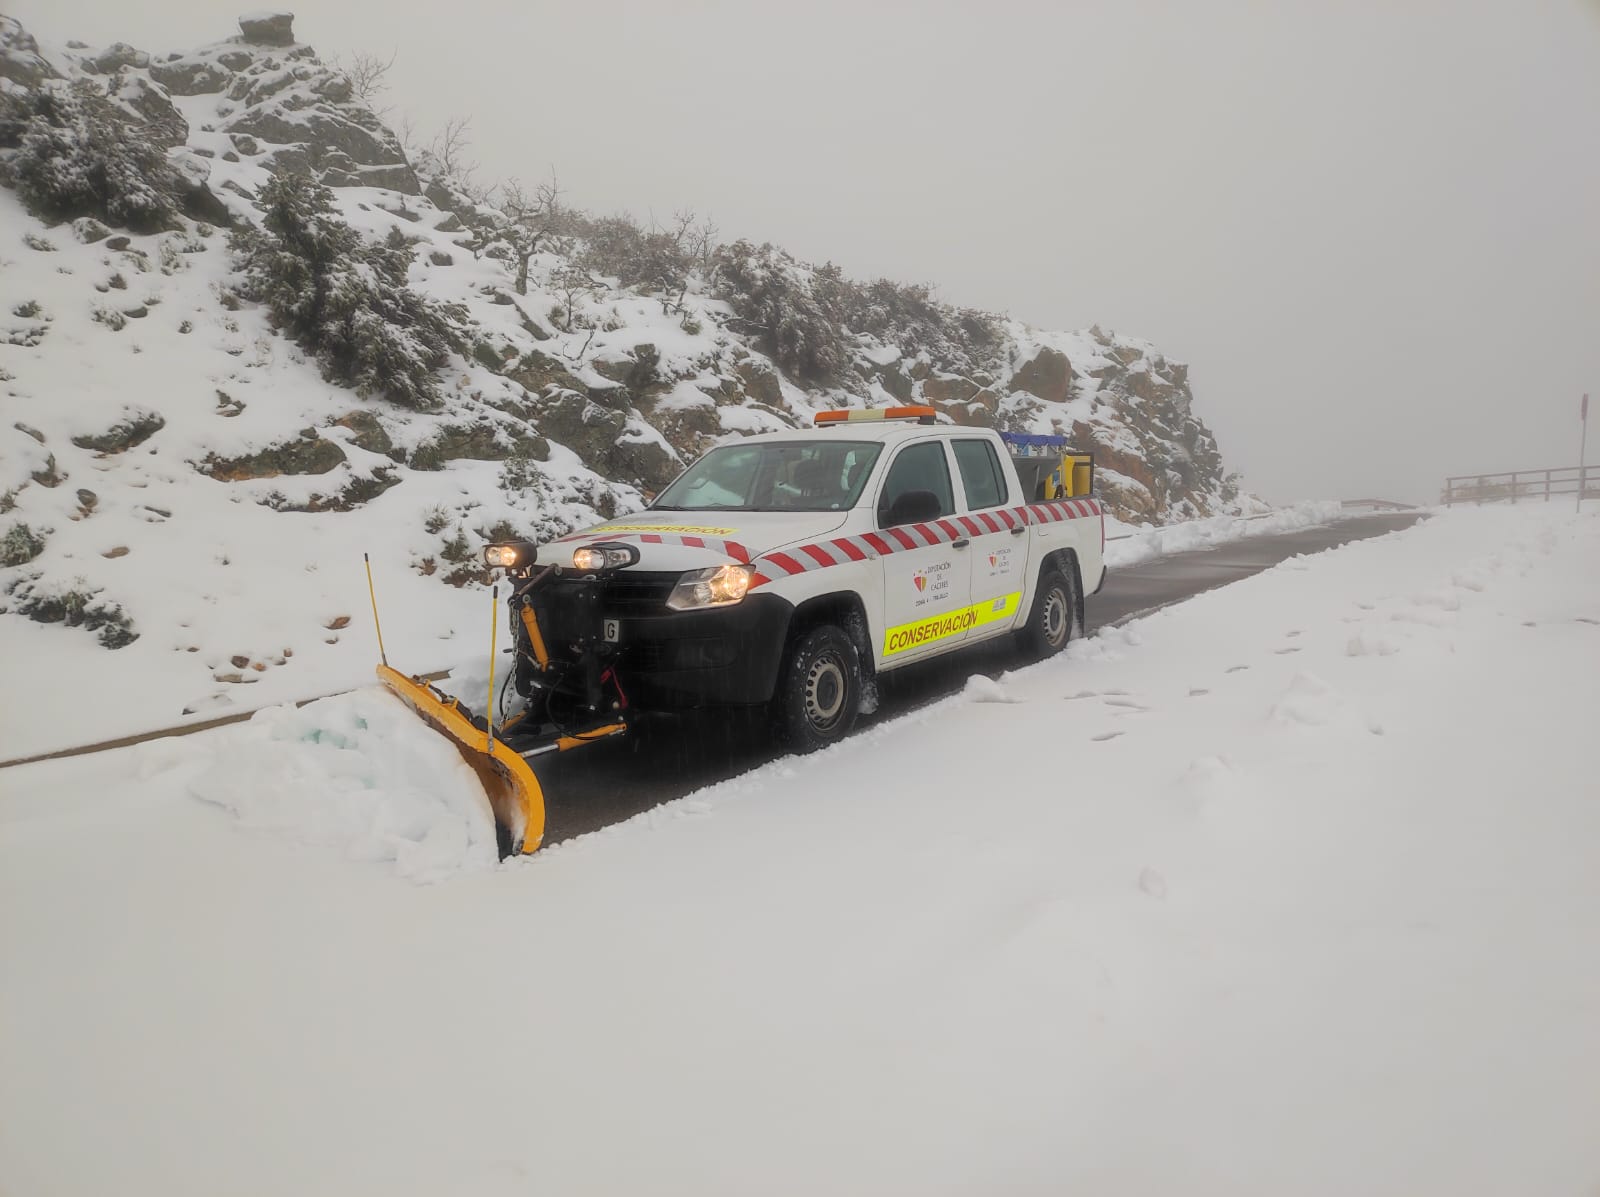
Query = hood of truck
x=685 y=540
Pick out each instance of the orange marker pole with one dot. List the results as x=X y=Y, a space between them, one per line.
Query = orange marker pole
x=382 y=656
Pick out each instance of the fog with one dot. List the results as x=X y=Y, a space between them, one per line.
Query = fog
x=1372 y=228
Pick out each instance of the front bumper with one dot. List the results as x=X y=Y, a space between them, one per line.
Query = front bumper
x=725 y=657
x=665 y=659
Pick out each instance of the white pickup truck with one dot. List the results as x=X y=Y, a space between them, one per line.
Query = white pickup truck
x=789 y=569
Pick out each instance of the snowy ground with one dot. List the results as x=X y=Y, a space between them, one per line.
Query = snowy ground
x=1287 y=889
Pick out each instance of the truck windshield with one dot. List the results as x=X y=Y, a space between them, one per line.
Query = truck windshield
x=810 y=475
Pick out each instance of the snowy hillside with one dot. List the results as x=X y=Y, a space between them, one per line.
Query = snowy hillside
x=1268 y=893
x=190 y=478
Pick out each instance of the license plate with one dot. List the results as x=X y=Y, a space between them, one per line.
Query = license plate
x=613 y=631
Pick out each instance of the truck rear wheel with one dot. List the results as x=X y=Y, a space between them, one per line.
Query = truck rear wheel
x=1055 y=614
x=820 y=691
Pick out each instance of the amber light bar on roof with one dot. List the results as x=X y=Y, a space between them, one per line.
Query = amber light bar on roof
x=923 y=415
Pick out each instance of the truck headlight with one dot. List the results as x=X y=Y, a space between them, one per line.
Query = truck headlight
x=715 y=586
x=604 y=556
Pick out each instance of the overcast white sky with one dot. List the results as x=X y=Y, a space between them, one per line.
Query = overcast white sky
x=1372 y=227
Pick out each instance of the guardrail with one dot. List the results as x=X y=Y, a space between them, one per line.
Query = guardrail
x=1511 y=486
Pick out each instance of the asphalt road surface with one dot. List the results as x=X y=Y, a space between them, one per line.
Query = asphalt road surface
x=666 y=757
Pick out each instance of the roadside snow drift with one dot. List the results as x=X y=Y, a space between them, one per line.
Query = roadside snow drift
x=1287 y=889
x=355 y=771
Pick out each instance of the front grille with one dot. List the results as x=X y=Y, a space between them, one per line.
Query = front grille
x=570 y=608
x=637 y=592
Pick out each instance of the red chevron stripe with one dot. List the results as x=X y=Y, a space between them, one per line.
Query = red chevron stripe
x=785 y=562
x=878 y=543
x=848 y=547
x=818 y=554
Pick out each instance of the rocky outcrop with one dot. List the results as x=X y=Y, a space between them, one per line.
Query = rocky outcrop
x=1119 y=401
x=20 y=60
x=1047 y=376
x=962 y=399
x=268 y=28
x=342 y=148
x=289 y=107
x=367 y=431
x=114 y=58
x=602 y=437
x=307 y=454
x=480 y=441
x=190 y=76
x=138 y=427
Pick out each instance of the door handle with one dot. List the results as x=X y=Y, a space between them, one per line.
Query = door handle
x=1019 y=530
x=960 y=544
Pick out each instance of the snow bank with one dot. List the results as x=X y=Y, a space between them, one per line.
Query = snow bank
x=357 y=772
x=1129 y=544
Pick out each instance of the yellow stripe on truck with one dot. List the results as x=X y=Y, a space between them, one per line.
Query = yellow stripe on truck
x=950 y=623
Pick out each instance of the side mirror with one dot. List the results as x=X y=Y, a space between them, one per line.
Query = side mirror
x=913 y=507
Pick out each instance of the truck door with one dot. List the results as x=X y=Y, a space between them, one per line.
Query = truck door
x=926 y=578
x=998 y=555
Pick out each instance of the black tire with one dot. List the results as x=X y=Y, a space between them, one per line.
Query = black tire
x=820 y=691
x=1054 y=618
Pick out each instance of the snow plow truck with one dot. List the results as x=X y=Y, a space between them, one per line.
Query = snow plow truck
x=785 y=571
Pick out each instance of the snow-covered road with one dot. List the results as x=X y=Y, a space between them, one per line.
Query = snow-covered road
x=1290 y=888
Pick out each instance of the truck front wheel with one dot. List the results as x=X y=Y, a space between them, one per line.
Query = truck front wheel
x=1054 y=615
x=820 y=690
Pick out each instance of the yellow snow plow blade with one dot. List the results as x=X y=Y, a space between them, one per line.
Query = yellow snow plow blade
x=512 y=788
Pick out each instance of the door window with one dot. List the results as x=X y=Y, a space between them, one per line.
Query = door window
x=918 y=467
x=980 y=474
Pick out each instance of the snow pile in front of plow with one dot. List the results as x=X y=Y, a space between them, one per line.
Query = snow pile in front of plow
x=357 y=773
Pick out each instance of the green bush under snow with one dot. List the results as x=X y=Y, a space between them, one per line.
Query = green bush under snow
x=69 y=153
x=341 y=297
